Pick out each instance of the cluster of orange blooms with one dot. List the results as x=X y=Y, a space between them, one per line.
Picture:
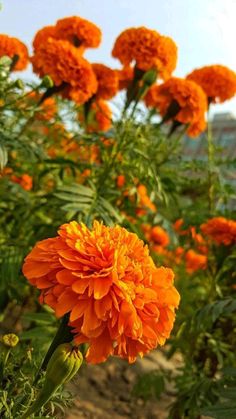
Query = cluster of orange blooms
x=24 y=180
x=58 y=52
x=220 y=230
x=118 y=301
x=76 y=78
x=217 y=230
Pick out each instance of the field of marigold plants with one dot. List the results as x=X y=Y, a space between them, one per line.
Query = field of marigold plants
x=112 y=243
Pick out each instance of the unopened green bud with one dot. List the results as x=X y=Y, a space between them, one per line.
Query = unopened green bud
x=150 y=77
x=63 y=365
x=5 y=61
x=10 y=340
x=47 y=82
x=19 y=84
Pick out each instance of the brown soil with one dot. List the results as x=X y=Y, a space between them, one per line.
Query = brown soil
x=105 y=391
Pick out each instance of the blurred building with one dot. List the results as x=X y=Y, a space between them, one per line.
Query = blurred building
x=223 y=126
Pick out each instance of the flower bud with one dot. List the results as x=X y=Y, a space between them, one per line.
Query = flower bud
x=19 y=84
x=63 y=365
x=47 y=82
x=150 y=77
x=10 y=340
x=5 y=61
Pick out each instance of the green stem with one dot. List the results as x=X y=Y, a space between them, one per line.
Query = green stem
x=3 y=364
x=210 y=151
x=63 y=335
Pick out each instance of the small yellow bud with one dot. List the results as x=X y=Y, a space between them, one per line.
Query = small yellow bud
x=10 y=340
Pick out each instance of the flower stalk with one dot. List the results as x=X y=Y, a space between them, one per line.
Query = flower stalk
x=62 y=366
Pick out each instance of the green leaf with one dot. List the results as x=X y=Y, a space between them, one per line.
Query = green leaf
x=3 y=157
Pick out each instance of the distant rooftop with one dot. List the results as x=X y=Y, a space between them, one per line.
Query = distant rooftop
x=223 y=116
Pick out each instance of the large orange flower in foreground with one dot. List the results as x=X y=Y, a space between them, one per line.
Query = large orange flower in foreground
x=80 y=32
x=218 y=82
x=65 y=65
x=148 y=49
x=108 y=82
x=14 y=48
x=221 y=230
x=119 y=302
x=189 y=100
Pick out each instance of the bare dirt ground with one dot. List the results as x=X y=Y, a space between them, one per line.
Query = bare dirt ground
x=105 y=390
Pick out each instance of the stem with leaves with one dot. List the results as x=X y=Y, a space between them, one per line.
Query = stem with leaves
x=210 y=151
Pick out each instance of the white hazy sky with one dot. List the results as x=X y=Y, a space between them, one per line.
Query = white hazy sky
x=204 y=30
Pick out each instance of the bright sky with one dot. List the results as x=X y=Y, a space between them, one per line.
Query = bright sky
x=204 y=30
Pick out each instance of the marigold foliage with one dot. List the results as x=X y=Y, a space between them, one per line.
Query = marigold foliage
x=218 y=82
x=14 y=48
x=118 y=301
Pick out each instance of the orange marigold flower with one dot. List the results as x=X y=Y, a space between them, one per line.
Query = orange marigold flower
x=221 y=230
x=190 y=100
x=80 y=32
x=217 y=81
x=159 y=236
x=25 y=181
x=15 y=49
x=99 y=117
x=125 y=76
x=195 y=261
x=65 y=65
x=120 y=181
x=125 y=46
x=6 y=171
x=148 y=49
x=107 y=81
x=178 y=253
x=144 y=200
x=199 y=240
x=119 y=302
x=178 y=224
x=42 y=36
